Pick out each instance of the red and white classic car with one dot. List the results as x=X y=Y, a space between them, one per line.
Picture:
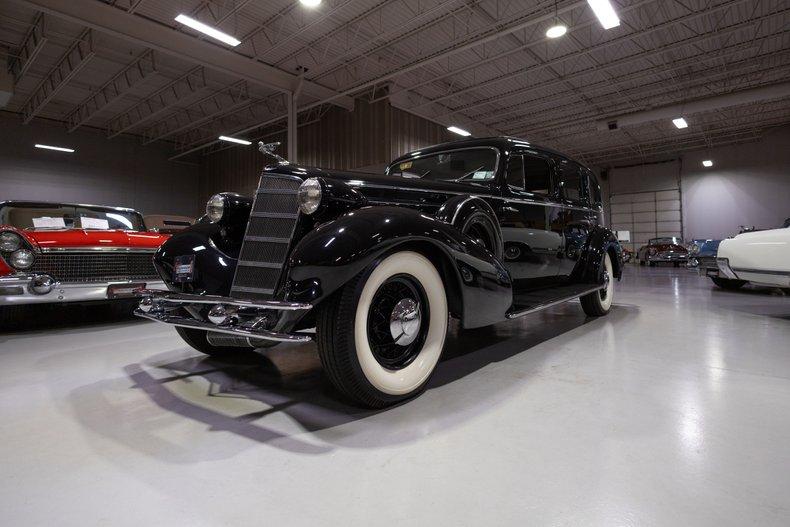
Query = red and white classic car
x=59 y=252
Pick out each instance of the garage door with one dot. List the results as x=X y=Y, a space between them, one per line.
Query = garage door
x=646 y=215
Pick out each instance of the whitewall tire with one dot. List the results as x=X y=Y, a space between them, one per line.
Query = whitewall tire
x=600 y=302
x=381 y=337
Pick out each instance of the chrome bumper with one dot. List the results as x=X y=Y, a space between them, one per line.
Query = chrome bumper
x=229 y=316
x=725 y=270
x=21 y=289
x=667 y=257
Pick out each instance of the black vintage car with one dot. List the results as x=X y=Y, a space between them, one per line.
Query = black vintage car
x=482 y=230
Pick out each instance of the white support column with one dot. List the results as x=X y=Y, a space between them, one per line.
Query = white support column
x=290 y=98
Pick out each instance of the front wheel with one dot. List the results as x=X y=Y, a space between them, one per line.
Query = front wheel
x=600 y=302
x=381 y=336
x=726 y=283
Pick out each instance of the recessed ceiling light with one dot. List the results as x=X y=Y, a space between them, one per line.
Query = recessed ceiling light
x=310 y=3
x=234 y=140
x=208 y=30
x=680 y=123
x=58 y=148
x=707 y=163
x=556 y=31
x=606 y=14
x=459 y=131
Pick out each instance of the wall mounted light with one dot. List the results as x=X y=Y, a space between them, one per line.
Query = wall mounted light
x=234 y=140
x=459 y=131
x=58 y=148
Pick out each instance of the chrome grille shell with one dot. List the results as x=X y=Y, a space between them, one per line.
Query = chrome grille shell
x=267 y=240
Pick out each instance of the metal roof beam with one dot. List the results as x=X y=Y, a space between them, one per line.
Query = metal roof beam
x=29 y=50
x=135 y=73
x=67 y=67
x=142 y=31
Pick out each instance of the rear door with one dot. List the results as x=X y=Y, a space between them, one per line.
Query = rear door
x=531 y=247
x=578 y=217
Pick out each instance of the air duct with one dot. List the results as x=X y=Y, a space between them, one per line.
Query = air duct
x=765 y=93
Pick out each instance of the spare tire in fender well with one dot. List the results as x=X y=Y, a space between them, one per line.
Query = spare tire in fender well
x=460 y=211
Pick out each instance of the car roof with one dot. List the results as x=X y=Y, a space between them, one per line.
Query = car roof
x=500 y=142
x=30 y=203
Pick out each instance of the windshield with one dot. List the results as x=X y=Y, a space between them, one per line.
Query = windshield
x=474 y=165
x=666 y=241
x=53 y=216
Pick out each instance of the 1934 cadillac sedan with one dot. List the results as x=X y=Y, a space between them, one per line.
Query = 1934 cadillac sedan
x=482 y=230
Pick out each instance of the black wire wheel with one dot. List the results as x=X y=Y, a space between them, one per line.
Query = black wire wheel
x=381 y=336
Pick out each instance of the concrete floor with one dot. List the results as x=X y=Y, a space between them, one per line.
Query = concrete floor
x=673 y=410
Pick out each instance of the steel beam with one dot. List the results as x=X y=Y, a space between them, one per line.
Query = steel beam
x=290 y=102
x=191 y=82
x=135 y=73
x=142 y=31
x=67 y=67
x=31 y=46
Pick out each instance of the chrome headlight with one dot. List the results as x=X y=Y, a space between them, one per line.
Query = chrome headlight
x=10 y=242
x=215 y=208
x=21 y=259
x=310 y=195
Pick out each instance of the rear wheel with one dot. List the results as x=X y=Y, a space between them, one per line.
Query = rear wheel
x=600 y=302
x=381 y=336
x=726 y=283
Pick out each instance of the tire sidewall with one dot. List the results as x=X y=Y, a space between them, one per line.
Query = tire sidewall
x=394 y=385
x=606 y=305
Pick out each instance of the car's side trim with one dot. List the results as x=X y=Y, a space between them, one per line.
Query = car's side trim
x=553 y=303
x=107 y=249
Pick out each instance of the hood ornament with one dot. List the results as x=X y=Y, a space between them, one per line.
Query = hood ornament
x=268 y=149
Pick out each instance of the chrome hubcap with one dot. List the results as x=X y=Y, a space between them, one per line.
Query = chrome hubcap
x=405 y=322
x=606 y=280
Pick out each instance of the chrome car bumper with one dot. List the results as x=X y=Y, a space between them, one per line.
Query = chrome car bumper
x=21 y=289
x=227 y=315
x=725 y=270
x=667 y=257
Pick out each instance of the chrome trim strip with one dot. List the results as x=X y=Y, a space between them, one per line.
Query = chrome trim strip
x=267 y=265
x=553 y=303
x=276 y=191
x=191 y=323
x=181 y=298
x=761 y=271
x=100 y=249
x=261 y=290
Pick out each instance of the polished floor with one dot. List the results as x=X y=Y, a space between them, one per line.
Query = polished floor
x=673 y=410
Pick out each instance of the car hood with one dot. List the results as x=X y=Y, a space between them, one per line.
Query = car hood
x=79 y=238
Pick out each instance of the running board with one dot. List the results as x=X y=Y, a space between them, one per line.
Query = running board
x=540 y=307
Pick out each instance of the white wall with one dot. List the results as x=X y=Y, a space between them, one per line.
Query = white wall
x=749 y=184
x=118 y=172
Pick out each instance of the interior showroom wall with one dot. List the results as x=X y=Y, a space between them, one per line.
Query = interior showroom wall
x=748 y=184
x=119 y=172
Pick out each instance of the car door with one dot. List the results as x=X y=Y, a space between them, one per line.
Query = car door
x=531 y=247
x=578 y=217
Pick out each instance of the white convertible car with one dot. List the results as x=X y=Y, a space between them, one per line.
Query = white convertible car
x=760 y=258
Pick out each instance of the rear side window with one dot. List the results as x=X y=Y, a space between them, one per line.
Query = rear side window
x=595 y=190
x=573 y=181
x=537 y=175
x=515 y=172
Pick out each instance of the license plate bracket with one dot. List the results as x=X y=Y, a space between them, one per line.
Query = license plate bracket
x=184 y=268
x=123 y=290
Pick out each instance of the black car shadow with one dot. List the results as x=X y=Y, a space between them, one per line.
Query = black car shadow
x=289 y=382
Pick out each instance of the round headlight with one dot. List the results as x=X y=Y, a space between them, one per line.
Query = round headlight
x=310 y=196
x=215 y=208
x=694 y=249
x=10 y=242
x=21 y=259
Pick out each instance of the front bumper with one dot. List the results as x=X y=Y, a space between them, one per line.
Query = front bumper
x=22 y=289
x=703 y=265
x=230 y=316
x=667 y=257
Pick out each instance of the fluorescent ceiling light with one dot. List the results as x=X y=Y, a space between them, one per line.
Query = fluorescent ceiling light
x=680 y=123
x=310 y=3
x=234 y=140
x=556 y=31
x=58 y=148
x=707 y=163
x=459 y=131
x=208 y=30
x=606 y=14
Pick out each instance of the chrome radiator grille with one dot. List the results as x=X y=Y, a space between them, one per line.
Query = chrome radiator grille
x=268 y=237
x=96 y=266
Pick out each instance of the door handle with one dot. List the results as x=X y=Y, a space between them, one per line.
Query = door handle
x=510 y=209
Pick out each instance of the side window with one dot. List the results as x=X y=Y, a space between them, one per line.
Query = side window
x=595 y=190
x=537 y=175
x=515 y=172
x=571 y=181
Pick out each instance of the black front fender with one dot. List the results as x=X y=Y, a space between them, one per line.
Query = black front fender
x=600 y=241
x=336 y=251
